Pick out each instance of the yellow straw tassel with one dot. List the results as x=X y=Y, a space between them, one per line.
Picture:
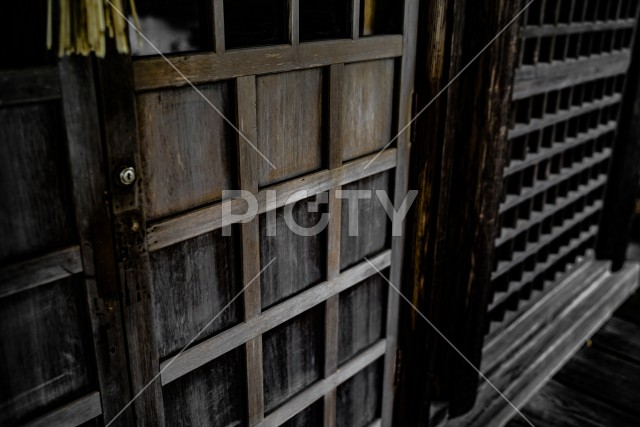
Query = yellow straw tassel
x=84 y=25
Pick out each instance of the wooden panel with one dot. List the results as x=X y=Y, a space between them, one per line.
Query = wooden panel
x=373 y=221
x=289 y=124
x=360 y=398
x=299 y=259
x=620 y=337
x=29 y=85
x=186 y=148
x=367 y=107
x=361 y=316
x=155 y=73
x=292 y=357
x=193 y=281
x=45 y=353
x=212 y=395
x=34 y=186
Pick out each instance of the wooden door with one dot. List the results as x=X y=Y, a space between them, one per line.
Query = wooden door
x=318 y=88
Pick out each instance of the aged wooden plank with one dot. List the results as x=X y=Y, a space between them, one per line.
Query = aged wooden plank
x=323 y=386
x=360 y=397
x=29 y=85
x=575 y=28
x=620 y=337
x=532 y=80
x=128 y=214
x=289 y=125
x=218 y=26
x=192 y=224
x=355 y=19
x=178 y=124
x=294 y=22
x=563 y=115
x=155 y=73
x=252 y=299
x=624 y=176
x=74 y=413
x=86 y=160
x=268 y=319
x=39 y=271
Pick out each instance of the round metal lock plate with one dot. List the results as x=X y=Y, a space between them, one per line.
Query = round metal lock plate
x=127 y=176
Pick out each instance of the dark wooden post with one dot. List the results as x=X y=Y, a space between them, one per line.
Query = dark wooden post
x=624 y=171
x=457 y=160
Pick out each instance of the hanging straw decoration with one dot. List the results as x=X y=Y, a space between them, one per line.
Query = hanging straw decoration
x=84 y=26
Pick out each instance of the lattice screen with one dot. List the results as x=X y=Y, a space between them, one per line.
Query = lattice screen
x=567 y=90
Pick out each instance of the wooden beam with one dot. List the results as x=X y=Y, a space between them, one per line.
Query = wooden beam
x=74 y=413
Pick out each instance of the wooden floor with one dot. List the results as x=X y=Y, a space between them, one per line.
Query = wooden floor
x=600 y=385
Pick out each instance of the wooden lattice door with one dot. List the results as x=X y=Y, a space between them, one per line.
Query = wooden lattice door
x=316 y=89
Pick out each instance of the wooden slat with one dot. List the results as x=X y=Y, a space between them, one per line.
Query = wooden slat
x=535 y=79
x=566 y=173
x=294 y=22
x=214 y=347
x=563 y=115
x=322 y=387
x=74 y=413
x=31 y=85
x=355 y=19
x=333 y=240
x=548 y=210
x=195 y=223
x=246 y=113
x=558 y=147
x=545 y=239
x=574 y=28
x=38 y=271
x=155 y=73
x=218 y=26
x=529 y=276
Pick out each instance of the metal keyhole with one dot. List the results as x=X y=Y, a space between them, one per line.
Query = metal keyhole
x=127 y=176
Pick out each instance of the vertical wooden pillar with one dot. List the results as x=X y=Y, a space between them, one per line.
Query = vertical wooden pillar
x=457 y=160
x=624 y=171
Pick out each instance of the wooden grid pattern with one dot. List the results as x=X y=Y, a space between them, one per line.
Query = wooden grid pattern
x=317 y=83
x=567 y=89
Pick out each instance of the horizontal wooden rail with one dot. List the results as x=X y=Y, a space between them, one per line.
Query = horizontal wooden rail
x=545 y=239
x=575 y=28
x=38 y=271
x=558 y=147
x=550 y=209
x=29 y=85
x=186 y=226
x=155 y=73
x=235 y=336
x=75 y=413
x=563 y=115
x=324 y=386
x=567 y=173
x=535 y=79
x=529 y=276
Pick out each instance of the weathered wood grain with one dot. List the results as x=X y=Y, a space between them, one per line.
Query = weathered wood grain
x=289 y=124
x=46 y=357
x=210 y=349
x=155 y=73
x=372 y=234
x=178 y=124
x=366 y=107
x=619 y=337
x=360 y=398
x=39 y=271
x=36 y=213
x=192 y=224
x=212 y=395
x=192 y=282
